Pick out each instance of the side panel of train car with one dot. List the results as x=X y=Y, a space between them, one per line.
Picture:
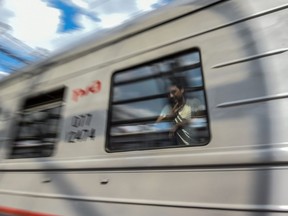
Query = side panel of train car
x=80 y=135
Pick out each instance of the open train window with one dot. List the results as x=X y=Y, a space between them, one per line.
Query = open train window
x=160 y=104
x=37 y=128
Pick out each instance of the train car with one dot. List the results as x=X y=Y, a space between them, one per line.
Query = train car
x=180 y=112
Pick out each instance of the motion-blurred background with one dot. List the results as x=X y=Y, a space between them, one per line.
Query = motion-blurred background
x=32 y=30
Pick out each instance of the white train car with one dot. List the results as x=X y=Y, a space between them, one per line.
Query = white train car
x=80 y=136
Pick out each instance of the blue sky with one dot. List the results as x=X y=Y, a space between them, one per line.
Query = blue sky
x=53 y=24
x=69 y=13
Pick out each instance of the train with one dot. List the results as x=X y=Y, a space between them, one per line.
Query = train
x=98 y=128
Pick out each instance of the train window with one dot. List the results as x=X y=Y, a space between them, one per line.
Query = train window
x=37 y=128
x=159 y=105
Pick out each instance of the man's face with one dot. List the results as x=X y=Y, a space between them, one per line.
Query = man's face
x=175 y=93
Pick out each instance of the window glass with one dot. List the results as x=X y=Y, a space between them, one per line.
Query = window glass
x=194 y=77
x=38 y=126
x=139 y=109
x=158 y=68
x=189 y=59
x=163 y=107
x=134 y=74
x=140 y=89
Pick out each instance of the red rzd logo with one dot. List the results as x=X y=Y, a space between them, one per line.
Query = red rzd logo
x=94 y=88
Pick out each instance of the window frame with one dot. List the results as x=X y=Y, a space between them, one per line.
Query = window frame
x=147 y=63
x=33 y=104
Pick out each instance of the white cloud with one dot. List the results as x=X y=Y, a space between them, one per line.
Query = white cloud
x=33 y=22
x=145 y=5
x=108 y=20
x=5 y=13
x=81 y=3
x=112 y=20
x=36 y=24
x=3 y=74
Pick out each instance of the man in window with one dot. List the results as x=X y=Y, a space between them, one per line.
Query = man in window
x=180 y=111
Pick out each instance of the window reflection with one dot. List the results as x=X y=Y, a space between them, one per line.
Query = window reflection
x=38 y=126
x=134 y=74
x=140 y=89
x=194 y=77
x=138 y=110
x=189 y=59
